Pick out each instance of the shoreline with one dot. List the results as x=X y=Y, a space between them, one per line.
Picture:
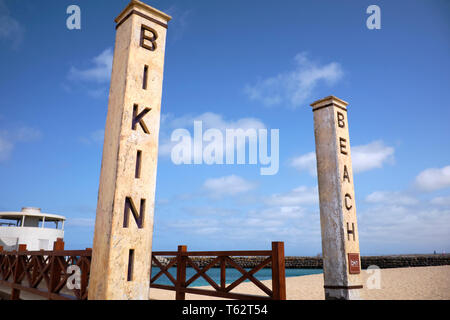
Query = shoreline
x=301 y=262
x=414 y=283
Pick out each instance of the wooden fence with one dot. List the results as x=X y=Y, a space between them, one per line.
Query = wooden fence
x=182 y=259
x=44 y=273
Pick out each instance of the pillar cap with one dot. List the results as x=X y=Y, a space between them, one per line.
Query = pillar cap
x=136 y=4
x=328 y=101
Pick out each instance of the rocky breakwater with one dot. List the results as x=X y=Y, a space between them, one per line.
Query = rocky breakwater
x=295 y=262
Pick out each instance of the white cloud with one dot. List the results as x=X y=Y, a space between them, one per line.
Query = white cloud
x=433 y=179
x=441 y=201
x=210 y=211
x=92 y=80
x=300 y=195
x=406 y=220
x=5 y=148
x=10 y=29
x=392 y=228
x=389 y=222
x=296 y=87
x=9 y=138
x=98 y=92
x=306 y=162
x=385 y=226
x=25 y=134
x=179 y=23
x=391 y=197
x=281 y=217
x=95 y=137
x=198 y=226
x=294 y=225
x=227 y=186
x=371 y=156
x=364 y=158
x=100 y=72
x=209 y=120
x=282 y=213
x=80 y=222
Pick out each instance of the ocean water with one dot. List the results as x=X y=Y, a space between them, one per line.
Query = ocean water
x=231 y=275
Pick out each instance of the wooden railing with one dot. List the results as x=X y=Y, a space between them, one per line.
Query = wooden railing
x=182 y=259
x=45 y=273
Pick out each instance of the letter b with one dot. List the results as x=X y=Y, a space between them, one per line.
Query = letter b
x=340 y=119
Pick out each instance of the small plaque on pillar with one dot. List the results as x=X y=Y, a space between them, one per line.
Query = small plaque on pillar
x=353 y=263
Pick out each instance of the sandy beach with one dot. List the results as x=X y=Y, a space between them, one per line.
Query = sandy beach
x=418 y=283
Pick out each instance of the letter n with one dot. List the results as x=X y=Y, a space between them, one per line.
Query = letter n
x=129 y=205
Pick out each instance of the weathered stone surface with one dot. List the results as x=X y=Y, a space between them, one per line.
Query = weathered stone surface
x=336 y=195
x=125 y=137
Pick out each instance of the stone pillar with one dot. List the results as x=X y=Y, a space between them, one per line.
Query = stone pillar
x=121 y=255
x=340 y=243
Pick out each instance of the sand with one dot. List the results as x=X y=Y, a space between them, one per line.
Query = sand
x=418 y=283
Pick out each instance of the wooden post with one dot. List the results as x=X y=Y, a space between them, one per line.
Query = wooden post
x=15 y=293
x=85 y=266
x=58 y=245
x=278 y=271
x=181 y=273
x=55 y=268
x=1 y=255
x=223 y=273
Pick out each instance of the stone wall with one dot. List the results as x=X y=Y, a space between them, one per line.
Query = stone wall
x=406 y=261
x=398 y=261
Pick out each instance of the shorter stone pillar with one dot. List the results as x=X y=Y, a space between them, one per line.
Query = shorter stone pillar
x=340 y=243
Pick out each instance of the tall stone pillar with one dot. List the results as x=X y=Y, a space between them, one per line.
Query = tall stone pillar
x=121 y=255
x=340 y=243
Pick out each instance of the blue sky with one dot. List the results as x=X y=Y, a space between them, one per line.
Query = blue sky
x=239 y=63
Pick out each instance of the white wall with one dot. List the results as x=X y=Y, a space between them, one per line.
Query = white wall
x=31 y=236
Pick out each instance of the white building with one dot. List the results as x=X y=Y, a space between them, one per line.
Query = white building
x=31 y=227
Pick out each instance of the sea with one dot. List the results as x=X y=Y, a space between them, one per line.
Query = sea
x=231 y=275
